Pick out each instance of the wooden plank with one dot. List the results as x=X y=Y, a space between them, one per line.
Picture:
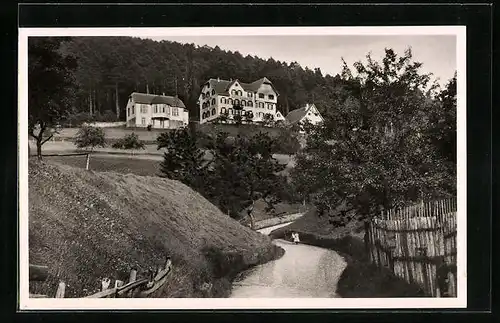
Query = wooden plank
x=38 y=273
x=130 y=286
x=103 y=294
x=157 y=284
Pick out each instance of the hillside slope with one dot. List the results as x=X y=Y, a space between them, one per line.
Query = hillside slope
x=86 y=225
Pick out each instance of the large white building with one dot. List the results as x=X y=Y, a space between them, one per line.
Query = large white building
x=157 y=111
x=250 y=100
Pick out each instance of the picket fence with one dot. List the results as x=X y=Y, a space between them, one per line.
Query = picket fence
x=134 y=288
x=418 y=244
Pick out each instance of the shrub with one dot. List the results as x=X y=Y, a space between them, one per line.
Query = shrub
x=78 y=119
x=89 y=136
x=130 y=141
x=107 y=116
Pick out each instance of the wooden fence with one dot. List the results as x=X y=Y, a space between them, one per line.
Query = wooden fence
x=134 y=288
x=418 y=243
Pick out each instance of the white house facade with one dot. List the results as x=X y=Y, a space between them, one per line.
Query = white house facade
x=308 y=113
x=157 y=111
x=250 y=100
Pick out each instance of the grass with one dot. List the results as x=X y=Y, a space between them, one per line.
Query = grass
x=100 y=163
x=86 y=225
x=150 y=167
x=115 y=133
x=360 y=279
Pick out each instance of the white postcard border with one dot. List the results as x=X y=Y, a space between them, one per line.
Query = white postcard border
x=26 y=303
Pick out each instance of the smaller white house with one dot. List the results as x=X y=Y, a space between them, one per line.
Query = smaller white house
x=157 y=111
x=308 y=113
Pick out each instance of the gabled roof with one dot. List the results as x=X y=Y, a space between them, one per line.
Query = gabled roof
x=297 y=114
x=144 y=98
x=222 y=86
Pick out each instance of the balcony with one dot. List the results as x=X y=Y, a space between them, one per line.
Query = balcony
x=160 y=115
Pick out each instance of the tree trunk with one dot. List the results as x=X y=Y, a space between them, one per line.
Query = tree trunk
x=252 y=221
x=117 y=103
x=90 y=102
x=96 y=106
x=39 y=147
x=366 y=237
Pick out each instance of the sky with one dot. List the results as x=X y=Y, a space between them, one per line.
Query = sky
x=436 y=52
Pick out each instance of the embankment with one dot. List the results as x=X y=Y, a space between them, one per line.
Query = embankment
x=86 y=225
x=360 y=279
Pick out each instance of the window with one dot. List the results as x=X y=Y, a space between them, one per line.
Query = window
x=223 y=100
x=128 y=110
x=249 y=94
x=213 y=111
x=156 y=109
x=213 y=92
x=143 y=121
x=243 y=102
x=236 y=102
x=261 y=95
x=230 y=101
x=175 y=111
x=223 y=110
x=213 y=101
x=270 y=106
x=162 y=123
x=163 y=109
x=230 y=111
x=167 y=110
x=250 y=103
x=144 y=108
x=261 y=105
x=271 y=97
x=133 y=110
x=240 y=93
x=233 y=92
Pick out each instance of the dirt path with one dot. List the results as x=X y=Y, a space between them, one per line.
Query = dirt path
x=304 y=271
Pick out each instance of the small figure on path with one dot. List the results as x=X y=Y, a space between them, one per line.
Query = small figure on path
x=295 y=237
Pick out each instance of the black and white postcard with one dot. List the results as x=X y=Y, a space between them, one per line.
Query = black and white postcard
x=242 y=168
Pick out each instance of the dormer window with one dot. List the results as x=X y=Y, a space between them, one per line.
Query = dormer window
x=249 y=94
x=261 y=95
x=271 y=97
x=213 y=92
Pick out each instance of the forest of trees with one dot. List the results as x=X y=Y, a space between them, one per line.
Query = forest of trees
x=110 y=68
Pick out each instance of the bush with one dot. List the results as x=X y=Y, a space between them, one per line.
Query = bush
x=78 y=119
x=107 y=116
x=89 y=136
x=131 y=141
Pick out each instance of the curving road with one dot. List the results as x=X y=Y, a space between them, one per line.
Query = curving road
x=303 y=271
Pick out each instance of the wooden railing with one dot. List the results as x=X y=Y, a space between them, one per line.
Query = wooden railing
x=418 y=243
x=135 y=288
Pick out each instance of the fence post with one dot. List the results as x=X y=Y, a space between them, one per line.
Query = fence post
x=60 y=290
x=133 y=276
x=88 y=161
